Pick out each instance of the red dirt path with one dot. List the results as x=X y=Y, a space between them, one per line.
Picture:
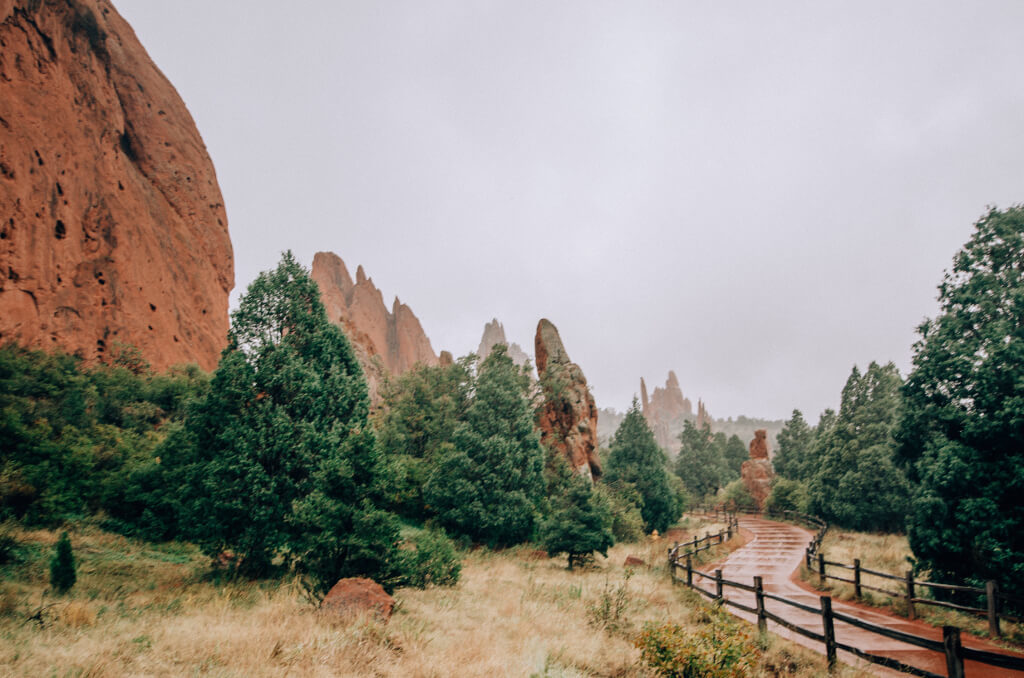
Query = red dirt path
x=776 y=552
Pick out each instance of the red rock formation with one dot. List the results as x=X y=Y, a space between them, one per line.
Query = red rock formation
x=494 y=334
x=703 y=418
x=358 y=595
x=568 y=418
x=112 y=226
x=665 y=411
x=386 y=342
x=759 y=445
x=757 y=472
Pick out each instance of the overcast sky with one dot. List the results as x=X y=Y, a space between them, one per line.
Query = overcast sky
x=757 y=195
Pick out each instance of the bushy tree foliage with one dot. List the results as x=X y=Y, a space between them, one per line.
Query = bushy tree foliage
x=580 y=521
x=788 y=495
x=636 y=459
x=701 y=464
x=962 y=436
x=794 y=456
x=856 y=482
x=489 y=485
x=416 y=425
x=63 y=573
x=734 y=452
x=278 y=460
x=71 y=437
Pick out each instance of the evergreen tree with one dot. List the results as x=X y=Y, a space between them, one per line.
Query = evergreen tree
x=795 y=442
x=421 y=410
x=962 y=436
x=856 y=482
x=735 y=453
x=489 y=485
x=278 y=460
x=636 y=459
x=62 y=565
x=580 y=522
x=700 y=464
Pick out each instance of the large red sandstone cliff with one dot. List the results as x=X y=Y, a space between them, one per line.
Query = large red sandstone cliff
x=665 y=410
x=386 y=342
x=112 y=226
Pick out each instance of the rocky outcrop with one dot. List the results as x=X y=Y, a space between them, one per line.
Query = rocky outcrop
x=704 y=419
x=386 y=342
x=494 y=334
x=665 y=411
x=112 y=225
x=568 y=418
x=354 y=596
x=757 y=472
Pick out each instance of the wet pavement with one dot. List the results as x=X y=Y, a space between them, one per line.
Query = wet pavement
x=775 y=553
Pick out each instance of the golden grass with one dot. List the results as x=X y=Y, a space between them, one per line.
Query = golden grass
x=890 y=553
x=145 y=610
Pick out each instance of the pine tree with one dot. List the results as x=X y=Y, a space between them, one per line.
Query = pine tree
x=795 y=443
x=62 y=565
x=700 y=464
x=962 y=436
x=489 y=485
x=856 y=482
x=636 y=459
x=580 y=523
x=278 y=460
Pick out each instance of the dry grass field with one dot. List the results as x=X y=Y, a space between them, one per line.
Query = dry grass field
x=153 y=610
x=891 y=553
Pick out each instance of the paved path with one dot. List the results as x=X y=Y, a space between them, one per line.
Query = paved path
x=775 y=553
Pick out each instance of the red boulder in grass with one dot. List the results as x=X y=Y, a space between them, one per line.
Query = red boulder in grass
x=357 y=595
x=633 y=561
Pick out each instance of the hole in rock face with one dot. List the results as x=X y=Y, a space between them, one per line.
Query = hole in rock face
x=175 y=338
x=99 y=278
x=59 y=231
x=150 y=327
x=60 y=191
x=59 y=280
x=101 y=346
x=12 y=274
x=152 y=307
x=120 y=186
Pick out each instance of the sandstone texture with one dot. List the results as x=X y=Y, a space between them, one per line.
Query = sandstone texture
x=704 y=419
x=757 y=472
x=358 y=595
x=494 y=334
x=112 y=225
x=665 y=411
x=386 y=342
x=568 y=417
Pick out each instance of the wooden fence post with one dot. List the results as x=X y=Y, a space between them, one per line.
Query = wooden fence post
x=991 y=592
x=721 y=537
x=728 y=531
x=807 y=556
x=762 y=621
x=828 y=624
x=689 y=570
x=694 y=543
x=718 y=584
x=856 y=578
x=821 y=569
x=911 y=612
x=954 y=654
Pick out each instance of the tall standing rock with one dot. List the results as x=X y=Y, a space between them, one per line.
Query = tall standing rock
x=665 y=411
x=757 y=472
x=112 y=225
x=494 y=334
x=568 y=418
x=386 y=342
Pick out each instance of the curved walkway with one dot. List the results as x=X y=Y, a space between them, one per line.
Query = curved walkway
x=775 y=553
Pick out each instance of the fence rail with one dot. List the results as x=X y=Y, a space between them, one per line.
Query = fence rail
x=680 y=557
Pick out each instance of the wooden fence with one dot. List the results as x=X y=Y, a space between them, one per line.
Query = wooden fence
x=680 y=557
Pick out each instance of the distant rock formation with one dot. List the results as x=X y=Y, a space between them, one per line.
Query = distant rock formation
x=665 y=411
x=568 y=418
x=494 y=334
x=703 y=418
x=112 y=225
x=386 y=342
x=757 y=472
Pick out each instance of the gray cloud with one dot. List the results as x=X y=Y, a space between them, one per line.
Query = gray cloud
x=757 y=195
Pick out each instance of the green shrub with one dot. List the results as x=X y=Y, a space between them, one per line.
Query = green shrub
x=609 y=610
x=735 y=496
x=580 y=523
x=432 y=561
x=627 y=521
x=787 y=495
x=719 y=649
x=62 y=566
